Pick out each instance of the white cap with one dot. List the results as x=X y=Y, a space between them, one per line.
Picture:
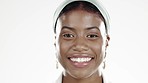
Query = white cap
x=96 y=3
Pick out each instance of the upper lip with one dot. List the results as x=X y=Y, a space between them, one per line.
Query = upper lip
x=78 y=55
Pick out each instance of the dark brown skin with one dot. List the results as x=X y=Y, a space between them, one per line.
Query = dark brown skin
x=82 y=33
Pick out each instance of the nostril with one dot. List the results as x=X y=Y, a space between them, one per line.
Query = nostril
x=80 y=48
x=80 y=44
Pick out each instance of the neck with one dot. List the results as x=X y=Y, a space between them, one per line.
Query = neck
x=94 y=78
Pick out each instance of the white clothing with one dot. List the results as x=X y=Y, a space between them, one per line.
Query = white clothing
x=59 y=80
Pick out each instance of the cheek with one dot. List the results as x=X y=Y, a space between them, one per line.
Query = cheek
x=96 y=46
x=99 y=50
x=64 y=47
x=62 y=54
x=99 y=55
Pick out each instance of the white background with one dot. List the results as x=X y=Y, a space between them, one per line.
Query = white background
x=26 y=41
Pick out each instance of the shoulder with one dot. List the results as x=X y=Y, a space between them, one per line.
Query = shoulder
x=59 y=79
x=105 y=78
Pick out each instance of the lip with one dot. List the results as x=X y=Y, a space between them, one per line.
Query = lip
x=80 y=64
x=80 y=55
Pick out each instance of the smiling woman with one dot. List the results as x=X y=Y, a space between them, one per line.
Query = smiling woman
x=82 y=36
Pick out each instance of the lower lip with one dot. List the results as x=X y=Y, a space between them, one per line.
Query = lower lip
x=81 y=64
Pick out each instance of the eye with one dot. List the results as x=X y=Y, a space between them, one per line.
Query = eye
x=68 y=36
x=92 y=36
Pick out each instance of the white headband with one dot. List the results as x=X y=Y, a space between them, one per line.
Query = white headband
x=96 y=3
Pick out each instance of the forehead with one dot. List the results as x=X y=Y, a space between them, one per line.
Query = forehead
x=80 y=18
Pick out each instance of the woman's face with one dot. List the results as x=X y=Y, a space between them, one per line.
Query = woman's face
x=81 y=42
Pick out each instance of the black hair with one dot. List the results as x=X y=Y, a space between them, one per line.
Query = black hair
x=82 y=5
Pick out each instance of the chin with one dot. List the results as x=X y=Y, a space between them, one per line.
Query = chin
x=80 y=74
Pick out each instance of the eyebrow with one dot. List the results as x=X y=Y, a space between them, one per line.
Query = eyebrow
x=88 y=28
x=66 y=27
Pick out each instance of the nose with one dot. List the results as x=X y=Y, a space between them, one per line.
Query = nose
x=80 y=45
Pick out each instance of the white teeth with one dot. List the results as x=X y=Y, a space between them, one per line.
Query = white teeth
x=80 y=59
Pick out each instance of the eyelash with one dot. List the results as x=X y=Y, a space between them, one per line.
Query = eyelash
x=71 y=36
x=92 y=36
x=67 y=35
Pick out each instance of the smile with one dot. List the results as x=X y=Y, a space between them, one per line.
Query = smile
x=80 y=60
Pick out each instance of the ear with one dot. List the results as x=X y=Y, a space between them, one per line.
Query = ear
x=107 y=44
x=55 y=41
x=107 y=40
